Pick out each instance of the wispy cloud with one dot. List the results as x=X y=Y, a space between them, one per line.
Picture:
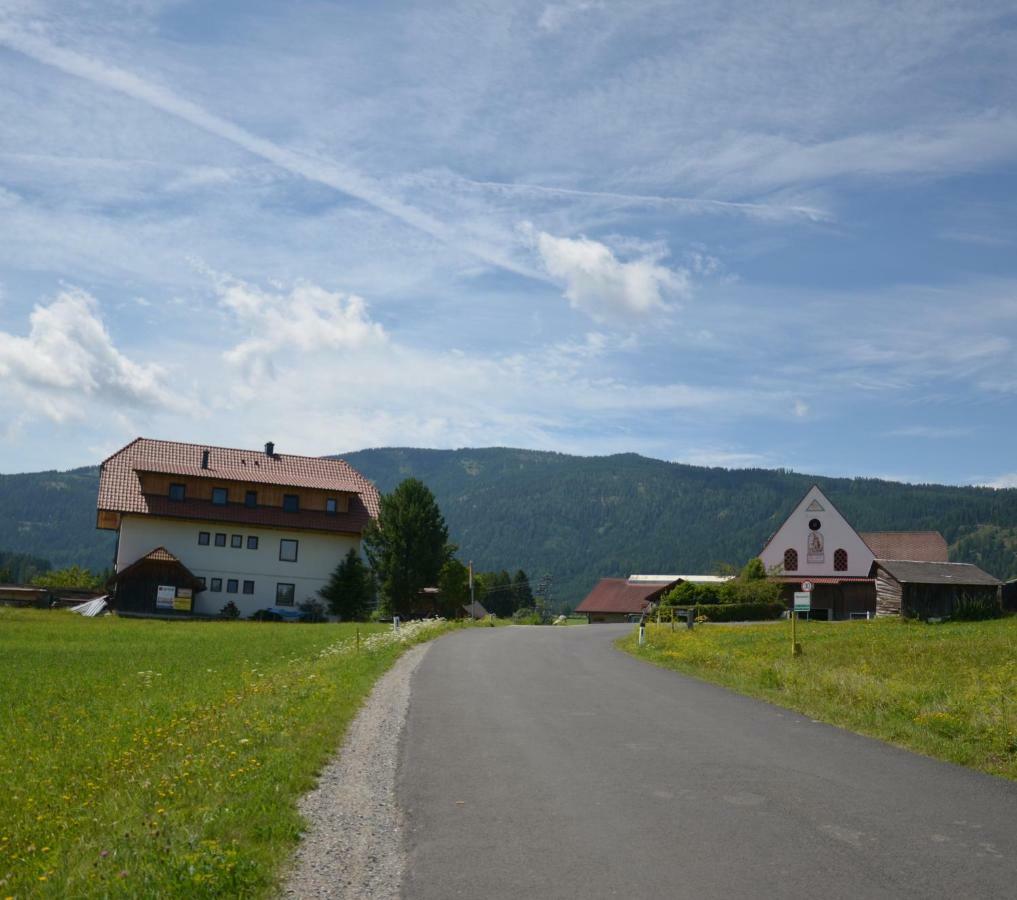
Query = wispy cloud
x=326 y=172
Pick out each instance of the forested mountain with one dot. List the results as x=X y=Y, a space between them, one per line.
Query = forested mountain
x=52 y=515
x=578 y=518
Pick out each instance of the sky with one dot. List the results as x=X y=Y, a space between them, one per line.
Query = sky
x=731 y=234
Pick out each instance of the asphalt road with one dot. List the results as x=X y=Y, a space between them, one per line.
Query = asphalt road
x=542 y=762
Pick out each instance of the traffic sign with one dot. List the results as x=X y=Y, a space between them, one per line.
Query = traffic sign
x=807 y=586
x=803 y=601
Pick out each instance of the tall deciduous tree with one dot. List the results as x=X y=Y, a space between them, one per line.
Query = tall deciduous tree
x=350 y=589
x=407 y=546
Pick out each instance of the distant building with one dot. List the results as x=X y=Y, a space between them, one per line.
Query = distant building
x=619 y=599
x=199 y=526
x=817 y=544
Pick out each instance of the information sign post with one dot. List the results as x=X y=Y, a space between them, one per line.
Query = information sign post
x=803 y=603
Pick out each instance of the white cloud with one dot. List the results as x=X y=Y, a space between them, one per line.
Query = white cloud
x=605 y=287
x=69 y=359
x=306 y=320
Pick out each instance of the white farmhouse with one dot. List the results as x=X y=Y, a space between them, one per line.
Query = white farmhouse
x=200 y=526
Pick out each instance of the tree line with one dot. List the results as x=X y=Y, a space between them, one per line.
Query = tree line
x=412 y=567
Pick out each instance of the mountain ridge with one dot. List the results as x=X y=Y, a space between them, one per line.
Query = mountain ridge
x=577 y=517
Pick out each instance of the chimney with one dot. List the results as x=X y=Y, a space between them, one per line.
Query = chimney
x=204 y=459
x=270 y=449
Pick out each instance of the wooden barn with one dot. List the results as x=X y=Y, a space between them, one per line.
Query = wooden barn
x=929 y=590
x=158 y=583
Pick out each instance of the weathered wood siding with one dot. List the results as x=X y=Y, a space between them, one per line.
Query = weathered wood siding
x=889 y=594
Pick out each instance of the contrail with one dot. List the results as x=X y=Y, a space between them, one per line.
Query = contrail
x=761 y=210
x=338 y=177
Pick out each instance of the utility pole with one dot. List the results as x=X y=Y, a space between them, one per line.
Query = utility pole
x=473 y=601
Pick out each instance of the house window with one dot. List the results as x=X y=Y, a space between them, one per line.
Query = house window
x=291 y=503
x=202 y=584
x=216 y=587
x=284 y=594
x=248 y=587
x=840 y=560
x=288 y=551
x=220 y=539
x=203 y=538
x=178 y=493
x=331 y=505
x=219 y=496
x=790 y=560
x=236 y=541
x=252 y=542
x=232 y=585
x=251 y=499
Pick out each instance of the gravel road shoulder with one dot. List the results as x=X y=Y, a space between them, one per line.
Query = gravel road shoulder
x=353 y=846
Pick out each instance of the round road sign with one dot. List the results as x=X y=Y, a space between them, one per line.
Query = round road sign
x=807 y=585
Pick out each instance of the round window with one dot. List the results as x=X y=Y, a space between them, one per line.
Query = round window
x=815 y=524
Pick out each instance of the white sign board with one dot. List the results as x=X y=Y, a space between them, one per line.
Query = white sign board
x=164 y=596
x=807 y=585
x=803 y=601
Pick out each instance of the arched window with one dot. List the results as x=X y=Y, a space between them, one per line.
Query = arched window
x=840 y=560
x=790 y=560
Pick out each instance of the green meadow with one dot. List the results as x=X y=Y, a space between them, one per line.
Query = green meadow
x=948 y=691
x=151 y=758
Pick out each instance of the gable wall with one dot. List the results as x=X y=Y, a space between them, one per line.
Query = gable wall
x=836 y=532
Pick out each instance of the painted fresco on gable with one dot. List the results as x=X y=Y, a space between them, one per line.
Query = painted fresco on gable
x=815 y=547
x=815 y=506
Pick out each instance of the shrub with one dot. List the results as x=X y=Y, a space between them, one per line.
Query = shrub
x=266 y=615
x=229 y=611
x=526 y=616
x=312 y=611
x=975 y=608
x=739 y=612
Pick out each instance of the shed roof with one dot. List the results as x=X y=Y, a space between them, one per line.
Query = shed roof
x=928 y=546
x=618 y=595
x=908 y=571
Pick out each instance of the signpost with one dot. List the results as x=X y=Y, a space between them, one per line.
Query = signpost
x=165 y=595
x=803 y=603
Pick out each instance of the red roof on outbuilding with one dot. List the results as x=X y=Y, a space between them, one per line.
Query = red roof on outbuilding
x=617 y=595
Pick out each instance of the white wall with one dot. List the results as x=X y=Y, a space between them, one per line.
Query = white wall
x=836 y=532
x=318 y=555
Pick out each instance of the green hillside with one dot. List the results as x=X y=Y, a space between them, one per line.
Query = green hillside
x=578 y=518
x=581 y=518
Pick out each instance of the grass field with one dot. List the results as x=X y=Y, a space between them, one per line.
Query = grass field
x=948 y=691
x=149 y=758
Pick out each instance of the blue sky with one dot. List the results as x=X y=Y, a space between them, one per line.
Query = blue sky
x=740 y=234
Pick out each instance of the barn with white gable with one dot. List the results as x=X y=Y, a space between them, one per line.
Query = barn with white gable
x=817 y=544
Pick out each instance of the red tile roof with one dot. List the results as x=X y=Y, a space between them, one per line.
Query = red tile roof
x=120 y=488
x=923 y=546
x=617 y=595
x=797 y=579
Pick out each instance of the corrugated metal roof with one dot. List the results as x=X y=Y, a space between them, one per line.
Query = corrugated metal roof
x=908 y=571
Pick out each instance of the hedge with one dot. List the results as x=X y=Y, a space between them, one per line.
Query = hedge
x=739 y=612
